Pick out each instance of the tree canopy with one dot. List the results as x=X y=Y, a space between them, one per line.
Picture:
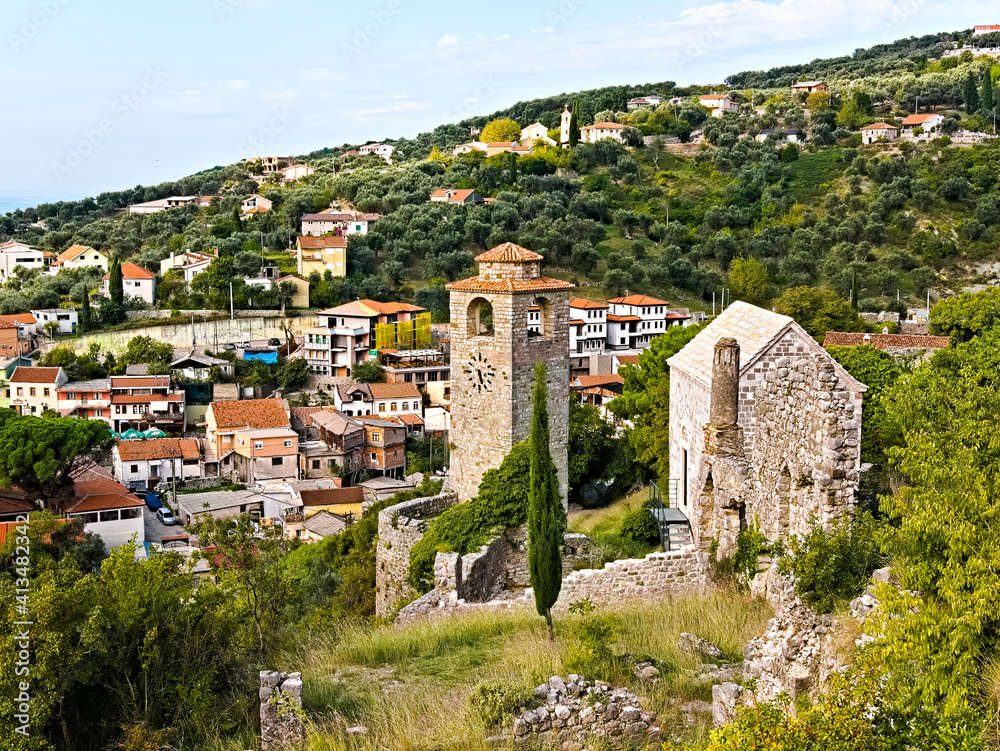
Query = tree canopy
x=501 y=129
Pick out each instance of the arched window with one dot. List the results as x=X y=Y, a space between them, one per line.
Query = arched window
x=546 y=318
x=480 y=317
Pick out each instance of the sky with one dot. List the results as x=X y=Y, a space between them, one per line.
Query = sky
x=108 y=94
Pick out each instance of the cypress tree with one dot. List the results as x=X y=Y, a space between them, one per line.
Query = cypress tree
x=116 y=289
x=546 y=515
x=986 y=95
x=854 y=290
x=971 y=95
x=85 y=312
x=574 y=127
x=512 y=168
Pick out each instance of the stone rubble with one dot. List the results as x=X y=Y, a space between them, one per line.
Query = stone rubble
x=697 y=646
x=575 y=710
x=281 y=717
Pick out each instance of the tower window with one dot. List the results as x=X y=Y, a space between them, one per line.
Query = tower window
x=480 y=317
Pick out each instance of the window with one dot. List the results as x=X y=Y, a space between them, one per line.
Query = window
x=315 y=463
x=374 y=456
x=109 y=516
x=227 y=439
x=90 y=518
x=20 y=391
x=98 y=413
x=408 y=377
x=258 y=444
x=276 y=461
x=392 y=407
x=134 y=468
x=31 y=391
x=45 y=392
x=131 y=513
x=288 y=443
x=381 y=407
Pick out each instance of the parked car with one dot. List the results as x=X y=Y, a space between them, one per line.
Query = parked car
x=153 y=501
x=274 y=342
x=229 y=346
x=242 y=345
x=166 y=516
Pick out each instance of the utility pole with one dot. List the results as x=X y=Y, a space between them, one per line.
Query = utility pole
x=173 y=479
x=713 y=304
x=232 y=310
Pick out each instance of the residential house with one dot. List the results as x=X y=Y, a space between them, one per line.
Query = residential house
x=294 y=504
x=506 y=147
x=469 y=148
x=14 y=340
x=719 y=104
x=27 y=323
x=650 y=100
x=338 y=222
x=879 y=132
x=599 y=131
x=273 y=164
x=330 y=443
x=929 y=123
x=347 y=334
x=414 y=424
x=144 y=402
x=809 y=87
x=599 y=390
x=380 y=488
x=385 y=446
x=219 y=504
x=322 y=254
x=789 y=135
x=66 y=320
x=88 y=400
x=300 y=298
x=322 y=525
x=265 y=454
x=383 y=150
x=379 y=399
x=296 y=172
x=588 y=333
x=985 y=29
x=78 y=257
x=138 y=283
x=163 y=204
x=255 y=204
x=13 y=504
x=106 y=508
x=455 y=195
x=14 y=254
x=634 y=320
x=417 y=366
x=142 y=465
x=34 y=390
x=198 y=367
x=189 y=260
x=224 y=418
x=7 y=367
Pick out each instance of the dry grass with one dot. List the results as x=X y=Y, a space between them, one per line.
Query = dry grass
x=595 y=522
x=410 y=686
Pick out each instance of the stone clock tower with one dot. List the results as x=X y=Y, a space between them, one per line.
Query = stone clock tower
x=493 y=355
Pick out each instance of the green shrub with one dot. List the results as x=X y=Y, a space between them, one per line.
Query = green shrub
x=592 y=655
x=640 y=526
x=833 y=567
x=750 y=543
x=502 y=501
x=494 y=701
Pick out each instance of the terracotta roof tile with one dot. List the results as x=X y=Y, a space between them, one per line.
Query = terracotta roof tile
x=603 y=126
x=587 y=381
x=394 y=391
x=24 y=374
x=637 y=300
x=327 y=241
x=256 y=413
x=508 y=253
x=623 y=319
x=131 y=271
x=158 y=448
x=541 y=284
x=918 y=119
x=884 y=341
x=331 y=496
x=576 y=302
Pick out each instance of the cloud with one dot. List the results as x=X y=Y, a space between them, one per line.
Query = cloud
x=389 y=109
x=236 y=84
x=317 y=75
x=400 y=96
x=447 y=40
x=279 y=96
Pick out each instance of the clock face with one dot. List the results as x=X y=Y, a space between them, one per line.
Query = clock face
x=479 y=372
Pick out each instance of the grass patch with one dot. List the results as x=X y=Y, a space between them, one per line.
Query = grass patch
x=604 y=527
x=411 y=686
x=811 y=171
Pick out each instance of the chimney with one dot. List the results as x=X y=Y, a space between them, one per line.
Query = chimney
x=725 y=407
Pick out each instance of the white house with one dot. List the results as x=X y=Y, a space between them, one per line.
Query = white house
x=383 y=150
x=137 y=282
x=791 y=135
x=650 y=100
x=719 y=104
x=535 y=132
x=198 y=367
x=985 y=29
x=634 y=320
x=587 y=326
x=878 y=132
x=106 y=508
x=162 y=204
x=810 y=87
x=295 y=172
x=339 y=222
x=14 y=254
x=78 y=257
x=598 y=131
x=929 y=123
x=255 y=204
x=184 y=260
x=142 y=465
x=65 y=320
x=378 y=399
x=469 y=148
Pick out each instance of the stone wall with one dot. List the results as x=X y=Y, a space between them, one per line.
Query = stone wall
x=677 y=572
x=281 y=716
x=806 y=449
x=399 y=529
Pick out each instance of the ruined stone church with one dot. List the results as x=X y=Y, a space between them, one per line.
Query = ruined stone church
x=765 y=429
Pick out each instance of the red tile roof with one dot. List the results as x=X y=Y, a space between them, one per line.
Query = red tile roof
x=256 y=413
x=885 y=341
x=131 y=271
x=24 y=374
x=158 y=448
x=576 y=302
x=409 y=419
x=604 y=126
x=72 y=252
x=628 y=359
x=15 y=505
x=332 y=496
x=880 y=126
x=587 y=381
x=637 y=300
x=96 y=490
x=387 y=308
x=508 y=253
x=918 y=119
x=542 y=284
x=456 y=195
x=623 y=319
x=327 y=241
x=25 y=318
x=394 y=391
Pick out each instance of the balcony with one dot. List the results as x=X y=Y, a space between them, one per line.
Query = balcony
x=294 y=517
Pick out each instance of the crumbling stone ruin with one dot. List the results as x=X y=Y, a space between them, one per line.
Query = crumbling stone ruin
x=281 y=716
x=575 y=710
x=765 y=427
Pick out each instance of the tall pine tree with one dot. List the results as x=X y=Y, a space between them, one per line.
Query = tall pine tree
x=971 y=95
x=986 y=94
x=855 y=291
x=85 y=312
x=546 y=515
x=574 y=126
x=116 y=289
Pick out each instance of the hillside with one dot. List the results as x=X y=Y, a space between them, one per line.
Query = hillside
x=663 y=220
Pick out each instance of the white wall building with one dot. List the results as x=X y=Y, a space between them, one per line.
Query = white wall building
x=14 y=254
x=137 y=282
x=66 y=320
x=383 y=150
x=634 y=320
x=142 y=465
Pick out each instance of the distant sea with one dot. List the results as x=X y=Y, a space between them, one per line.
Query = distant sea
x=10 y=203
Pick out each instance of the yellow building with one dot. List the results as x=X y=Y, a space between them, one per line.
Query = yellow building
x=322 y=254
x=301 y=297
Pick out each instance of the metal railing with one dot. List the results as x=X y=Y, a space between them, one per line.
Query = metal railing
x=659 y=511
